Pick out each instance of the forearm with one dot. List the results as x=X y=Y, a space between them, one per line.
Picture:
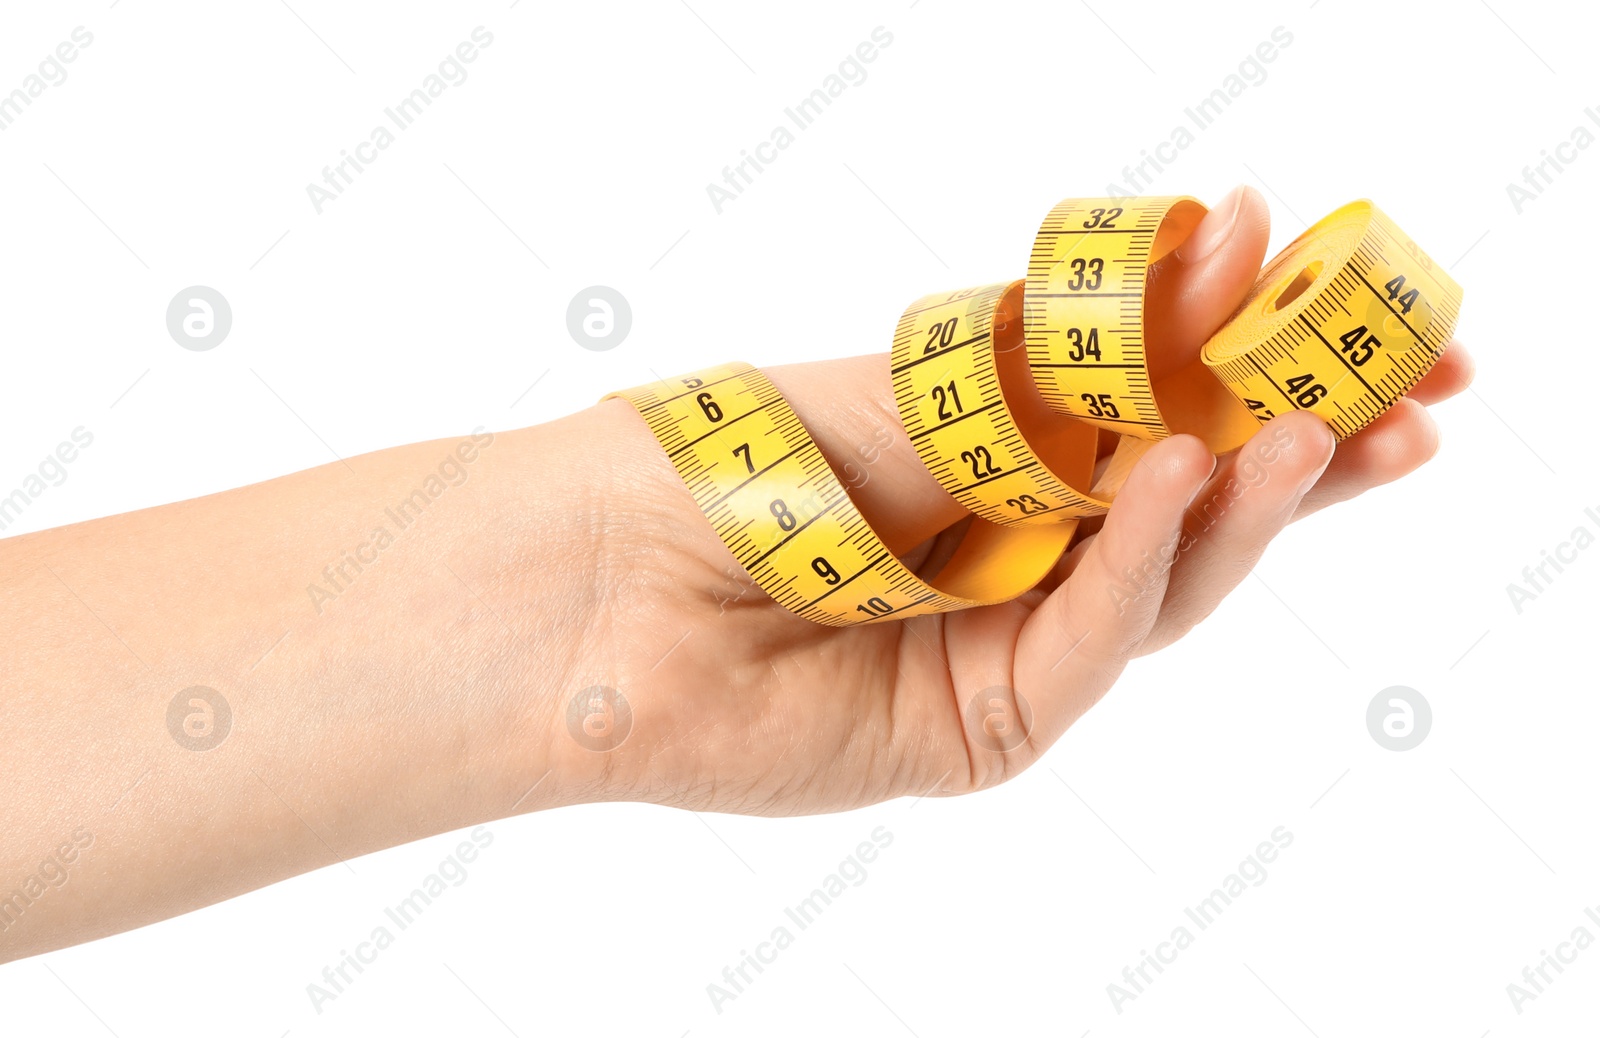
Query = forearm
x=393 y=637
x=396 y=639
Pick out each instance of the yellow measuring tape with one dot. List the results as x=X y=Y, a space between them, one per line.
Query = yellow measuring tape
x=1003 y=390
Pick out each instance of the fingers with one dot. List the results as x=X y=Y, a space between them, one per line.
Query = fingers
x=1450 y=374
x=1076 y=643
x=848 y=405
x=1253 y=495
x=1196 y=289
x=1231 y=522
x=1290 y=469
x=1399 y=442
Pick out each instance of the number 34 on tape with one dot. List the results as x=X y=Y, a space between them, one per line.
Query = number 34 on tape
x=1003 y=390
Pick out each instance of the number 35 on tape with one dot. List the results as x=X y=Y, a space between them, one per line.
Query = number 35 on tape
x=1004 y=389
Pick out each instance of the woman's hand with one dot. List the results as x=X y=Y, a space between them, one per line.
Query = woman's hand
x=734 y=704
x=213 y=695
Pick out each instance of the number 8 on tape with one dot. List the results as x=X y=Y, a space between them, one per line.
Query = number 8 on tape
x=761 y=480
x=1341 y=323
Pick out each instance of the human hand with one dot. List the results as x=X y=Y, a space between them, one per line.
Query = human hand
x=447 y=681
x=738 y=705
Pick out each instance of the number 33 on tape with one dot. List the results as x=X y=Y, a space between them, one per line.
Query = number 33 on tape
x=1003 y=390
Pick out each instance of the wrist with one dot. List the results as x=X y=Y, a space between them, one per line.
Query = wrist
x=556 y=571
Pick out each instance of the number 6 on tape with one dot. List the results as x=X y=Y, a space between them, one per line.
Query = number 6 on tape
x=1342 y=323
x=761 y=480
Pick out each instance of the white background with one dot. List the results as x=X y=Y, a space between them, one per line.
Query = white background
x=430 y=296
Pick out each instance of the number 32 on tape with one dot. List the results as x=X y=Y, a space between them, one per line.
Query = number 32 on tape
x=1003 y=390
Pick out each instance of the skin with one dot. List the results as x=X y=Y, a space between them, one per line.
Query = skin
x=432 y=691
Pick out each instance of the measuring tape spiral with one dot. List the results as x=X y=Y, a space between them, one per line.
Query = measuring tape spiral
x=1003 y=389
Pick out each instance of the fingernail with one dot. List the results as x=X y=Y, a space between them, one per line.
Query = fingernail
x=1215 y=229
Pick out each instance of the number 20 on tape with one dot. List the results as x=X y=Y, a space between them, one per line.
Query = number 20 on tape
x=1003 y=390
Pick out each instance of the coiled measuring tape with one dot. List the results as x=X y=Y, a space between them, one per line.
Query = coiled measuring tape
x=1003 y=390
